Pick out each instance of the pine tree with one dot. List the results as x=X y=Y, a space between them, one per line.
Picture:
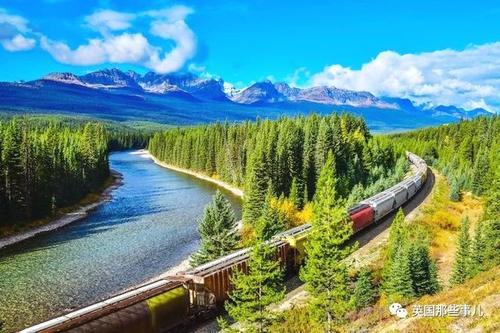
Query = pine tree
x=480 y=172
x=270 y=223
x=217 y=231
x=491 y=247
x=397 y=235
x=455 y=190
x=297 y=193
x=398 y=283
x=477 y=250
x=423 y=272
x=325 y=272
x=323 y=144
x=461 y=267
x=364 y=292
x=256 y=188
x=253 y=292
x=435 y=284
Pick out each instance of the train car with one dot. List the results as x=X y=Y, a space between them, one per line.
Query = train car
x=399 y=195
x=362 y=215
x=382 y=204
x=154 y=307
x=213 y=278
x=411 y=189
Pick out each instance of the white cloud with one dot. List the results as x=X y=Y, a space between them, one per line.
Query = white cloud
x=467 y=78
x=19 y=22
x=171 y=25
x=18 y=43
x=13 y=31
x=127 y=47
x=110 y=20
x=124 y=48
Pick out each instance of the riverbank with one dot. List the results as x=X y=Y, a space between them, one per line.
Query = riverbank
x=184 y=264
x=234 y=190
x=66 y=215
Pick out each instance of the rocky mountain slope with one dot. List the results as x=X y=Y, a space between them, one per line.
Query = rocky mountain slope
x=184 y=98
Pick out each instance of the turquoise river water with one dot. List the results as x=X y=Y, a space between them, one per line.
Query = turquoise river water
x=148 y=227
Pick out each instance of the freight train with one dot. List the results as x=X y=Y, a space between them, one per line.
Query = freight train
x=169 y=304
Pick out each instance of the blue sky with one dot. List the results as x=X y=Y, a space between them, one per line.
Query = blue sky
x=303 y=43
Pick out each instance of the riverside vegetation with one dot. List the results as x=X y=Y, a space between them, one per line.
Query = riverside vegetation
x=321 y=164
x=47 y=163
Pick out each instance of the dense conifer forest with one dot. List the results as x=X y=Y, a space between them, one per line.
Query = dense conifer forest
x=45 y=168
x=466 y=152
x=283 y=157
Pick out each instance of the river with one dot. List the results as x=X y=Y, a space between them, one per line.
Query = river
x=148 y=227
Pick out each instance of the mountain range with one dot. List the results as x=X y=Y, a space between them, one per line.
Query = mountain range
x=184 y=98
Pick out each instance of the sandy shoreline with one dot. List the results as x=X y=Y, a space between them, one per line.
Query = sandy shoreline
x=234 y=190
x=67 y=218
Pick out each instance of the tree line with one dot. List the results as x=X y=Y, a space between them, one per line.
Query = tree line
x=281 y=158
x=43 y=168
x=466 y=152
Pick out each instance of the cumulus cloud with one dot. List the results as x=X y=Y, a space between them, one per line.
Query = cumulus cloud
x=109 y=19
x=124 y=48
x=127 y=47
x=468 y=78
x=18 y=43
x=13 y=32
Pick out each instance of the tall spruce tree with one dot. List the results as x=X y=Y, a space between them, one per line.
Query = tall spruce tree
x=297 y=193
x=256 y=187
x=455 y=190
x=423 y=270
x=461 y=266
x=477 y=250
x=325 y=271
x=217 y=231
x=254 y=291
x=398 y=235
x=397 y=282
x=480 y=172
x=364 y=292
x=270 y=223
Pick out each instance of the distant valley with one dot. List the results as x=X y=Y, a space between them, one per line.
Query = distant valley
x=186 y=99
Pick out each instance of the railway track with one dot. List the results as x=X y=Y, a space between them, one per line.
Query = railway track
x=295 y=287
x=172 y=303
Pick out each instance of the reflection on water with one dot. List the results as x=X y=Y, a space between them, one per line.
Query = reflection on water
x=149 y=226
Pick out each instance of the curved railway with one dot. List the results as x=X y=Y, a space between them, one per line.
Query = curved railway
x=167 y=304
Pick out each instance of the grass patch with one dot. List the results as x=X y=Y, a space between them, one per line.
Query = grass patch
x=440 y=217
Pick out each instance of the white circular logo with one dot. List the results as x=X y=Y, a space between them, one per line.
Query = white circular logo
x=394 y=307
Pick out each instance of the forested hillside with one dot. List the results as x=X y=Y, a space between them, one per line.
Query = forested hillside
x=43 y=168
x=429 y=258
x=126 y=135
x=283 y=157
x=466 y=152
